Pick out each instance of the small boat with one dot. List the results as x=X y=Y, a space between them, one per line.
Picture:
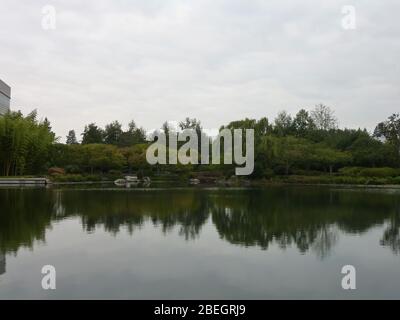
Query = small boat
x=194 y=181
x=120 y=182
x=131 y=179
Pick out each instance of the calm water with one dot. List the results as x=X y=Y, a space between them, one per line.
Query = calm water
x=278 y=242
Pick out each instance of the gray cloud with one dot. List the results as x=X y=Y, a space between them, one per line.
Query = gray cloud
x=217 y=60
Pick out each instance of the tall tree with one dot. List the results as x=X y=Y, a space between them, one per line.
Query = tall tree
x=262 y=127
x=166 y=128
x=191 y=124
x=324 y=117
x=390 y=130
x=71 y=137
x=92 y=134
x=283 y=124
x=132 y=136
x=132 y=126
x=112 y=132
x=303 y=123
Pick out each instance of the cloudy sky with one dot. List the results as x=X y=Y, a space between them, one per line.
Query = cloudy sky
x=216 y=60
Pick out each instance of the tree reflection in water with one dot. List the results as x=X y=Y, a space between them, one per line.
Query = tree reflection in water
x=391 y=236
x=310 y=219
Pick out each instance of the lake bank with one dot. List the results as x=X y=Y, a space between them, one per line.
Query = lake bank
x=345 y=182
x=331 y=180
x=36 y=181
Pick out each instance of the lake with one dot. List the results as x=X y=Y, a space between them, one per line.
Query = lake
x=199 y=243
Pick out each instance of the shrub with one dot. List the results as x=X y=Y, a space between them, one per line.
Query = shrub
x=377 y=181
x=111 y=175
x=92 y=177
x=269 y=173
x=379 y=172
x=369 y=172
x=68 y=178
x=76 y=178
x=350 y=171
x=72 y=169
x=395 y=180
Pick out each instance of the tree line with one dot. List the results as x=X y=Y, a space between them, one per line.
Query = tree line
x=309 y=142
x=111 y=134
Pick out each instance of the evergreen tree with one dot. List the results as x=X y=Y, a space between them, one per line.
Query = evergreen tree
x=71 y=137
x=92 y=134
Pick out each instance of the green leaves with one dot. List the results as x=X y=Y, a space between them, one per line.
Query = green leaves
x=24 y=143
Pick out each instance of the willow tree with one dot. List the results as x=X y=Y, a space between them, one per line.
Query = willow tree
x=24 y=143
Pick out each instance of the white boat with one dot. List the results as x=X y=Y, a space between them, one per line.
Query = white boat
x=194 y=181
x=120 y=182
x=131 y=179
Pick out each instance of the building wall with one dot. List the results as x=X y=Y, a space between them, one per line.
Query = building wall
x=5 y=96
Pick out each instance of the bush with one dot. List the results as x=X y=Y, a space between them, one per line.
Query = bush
x=69 y=178
x=369 y=172
x=375 y=181
x=350 y=171
x=302 y=172
x=115 y=172
x=269 y=173
x=327 y=179
x=92 y=177
x=72 y=169
x=380 y=172
x=112 y=175
x=395 y=180
x=76 y=178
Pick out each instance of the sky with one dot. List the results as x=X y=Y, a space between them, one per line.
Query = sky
x=215 y=60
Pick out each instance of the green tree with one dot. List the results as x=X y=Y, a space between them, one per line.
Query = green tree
x=330 y=158
x=390 y=131
x=192 y=124
x=262 y=127
x=189 y=123
x=324 y=117
x=132 y=136
x=283 y=124
x=112 y=133
x=25 y=143
x=92 y=134
x=135 y=157
x=369 y=152
x=102 y=157
x=291 y=151
x=71 y=137
x=303 y=123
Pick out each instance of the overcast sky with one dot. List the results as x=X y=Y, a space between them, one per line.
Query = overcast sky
x=216 y=60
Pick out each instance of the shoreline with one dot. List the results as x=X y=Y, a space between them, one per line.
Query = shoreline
x=46 y=182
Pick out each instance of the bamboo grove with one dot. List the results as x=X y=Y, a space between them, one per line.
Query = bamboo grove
x=25 y=143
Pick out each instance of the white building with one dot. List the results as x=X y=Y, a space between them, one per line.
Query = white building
x=5 y=96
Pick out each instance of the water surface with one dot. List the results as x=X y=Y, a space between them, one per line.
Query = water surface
x=190 y=243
